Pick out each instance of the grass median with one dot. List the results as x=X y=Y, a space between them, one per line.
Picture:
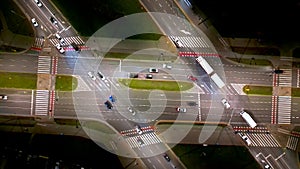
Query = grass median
x=18 y=80
x=166 y=85
x=29 y=81
x=66 y=83
x=259 y=90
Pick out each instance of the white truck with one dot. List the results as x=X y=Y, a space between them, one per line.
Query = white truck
x=218 y=81
x=3 y=97
x=208 y=69
x=248 y=119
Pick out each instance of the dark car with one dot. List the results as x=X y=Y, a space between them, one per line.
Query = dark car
x=278 y=71
x=167 y=157
x=75 y=46
x=108 y=104
x=192 y=78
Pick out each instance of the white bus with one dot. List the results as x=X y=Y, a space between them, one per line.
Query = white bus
x=248 y=119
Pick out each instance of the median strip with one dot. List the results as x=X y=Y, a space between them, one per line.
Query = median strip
x=167 y=85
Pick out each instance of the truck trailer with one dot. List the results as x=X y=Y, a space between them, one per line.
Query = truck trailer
x=248 y=119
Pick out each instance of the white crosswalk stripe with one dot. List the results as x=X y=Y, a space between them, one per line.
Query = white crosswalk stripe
x=284 y=109
x=44 y=63
x=68 y=40
x=285 y=79
x=262 y=140
x=41 y=102
x=292 y=143
x=38 y=42
x=147 y=138
x=190 y=41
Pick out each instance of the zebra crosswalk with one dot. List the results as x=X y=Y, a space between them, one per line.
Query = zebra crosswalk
x=38 y=42
x=143 y=140
x=262 y=140
x=292 y=143
x=285 y=79
x=258 y=129
x=41 y=102
x=191 y=41
x=44 y=64
x=68 y=41
x=284 y=109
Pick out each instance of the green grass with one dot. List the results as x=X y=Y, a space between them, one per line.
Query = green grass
x=137 y=56
x=259 y=90
x=18 y=80
x=66 y=83
x=258 y=62
x=156 y=84
x=71 y=122
x=296 y=92
x=98 y=126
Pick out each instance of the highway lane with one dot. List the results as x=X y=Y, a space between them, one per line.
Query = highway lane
x=19 y=102
x=25 y=63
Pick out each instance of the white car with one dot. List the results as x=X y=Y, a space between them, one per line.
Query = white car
x=39 y=4
x=153 y=70
x=90 y=74
x=138 y=129
x=131 y=110
x=59 y=38
x=225 y=103
x=177 y=42
x=60 y=48
x=181 y=109
x=247 y=140
x=35 y=24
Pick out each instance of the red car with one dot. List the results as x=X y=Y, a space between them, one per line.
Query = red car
x=192 y=78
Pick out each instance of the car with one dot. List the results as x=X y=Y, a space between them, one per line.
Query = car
x=278 y=71
x=181 y=109
x=90 y=74
x=177 y=42
x=149 y=76
x=138 y=129
x=39 y=4
x=62 y=41
x=108 y=104
x=266 y=165
x=112 y=98
x=225 y=103
x=3 y=97
x=167 y=157
x=192 y=78
x=53 y=20
x=140 y=141
x=101 y=75
x=60 y=48
x=167 y=66
x=130 y=109
x=247 y=140
x=153 y=70
x=75 y=47
x=35 y=24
